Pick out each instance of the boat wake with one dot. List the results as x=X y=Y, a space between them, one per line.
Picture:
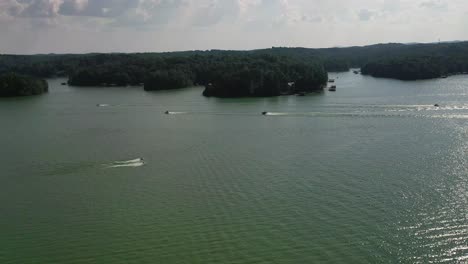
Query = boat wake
x=396 y=114
x=126 y=163
x=175 y=113
x=275 y=114
x=366 y=111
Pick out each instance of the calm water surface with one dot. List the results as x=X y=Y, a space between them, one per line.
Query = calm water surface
x=373 y=173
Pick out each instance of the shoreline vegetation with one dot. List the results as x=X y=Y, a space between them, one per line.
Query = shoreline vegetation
x=12 y=85
x=256 y=73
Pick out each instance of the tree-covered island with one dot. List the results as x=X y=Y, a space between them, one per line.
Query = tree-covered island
x=265 y=75
x=18 y=85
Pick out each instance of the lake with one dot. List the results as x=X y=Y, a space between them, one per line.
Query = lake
x=373 y=173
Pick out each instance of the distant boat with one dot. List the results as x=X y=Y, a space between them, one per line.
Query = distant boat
x=331 y=80
x=64 y=83
x=356 y=72
x=436 y=105
x=332 y=88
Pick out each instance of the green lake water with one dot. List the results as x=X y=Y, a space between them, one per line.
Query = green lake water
x=373 y=173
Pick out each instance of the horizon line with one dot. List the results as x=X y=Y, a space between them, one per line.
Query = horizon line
x=237 y=50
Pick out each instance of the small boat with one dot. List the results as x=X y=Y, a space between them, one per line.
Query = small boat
x=436 y=105
x=64 y=83
x=331 y=80
x=264 y=113
x=356 y=72
x=167 y=112
x=332 y=88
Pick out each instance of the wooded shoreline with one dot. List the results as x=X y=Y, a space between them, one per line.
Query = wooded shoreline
x=266 y=72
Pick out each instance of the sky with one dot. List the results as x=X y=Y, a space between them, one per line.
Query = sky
x=83 y=26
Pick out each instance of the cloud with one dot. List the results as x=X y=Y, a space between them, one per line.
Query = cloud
x=74 y=7
x=150 y=25
x=435 y=4
x=391 y=6
x=150 y=13
x=365 y=15
x=200 y=13
x=95 y=8
x=10 y=8
x=36 y=8
x=213 y=12
x=311 y=19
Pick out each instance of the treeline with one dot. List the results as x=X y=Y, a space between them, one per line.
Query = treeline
x=261 y=67
x=265 y=75
x=230 y=73
x=169 y=79
x=398 y=61
x=239 y=75
x=443 y=61
x=416 y=68
x=132 y=69
x=17 y=85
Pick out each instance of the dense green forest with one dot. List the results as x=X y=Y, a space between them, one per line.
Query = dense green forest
x=418 y=67
x=169 y=79
x=265 y=75
x=224 y=70
x=16 y=85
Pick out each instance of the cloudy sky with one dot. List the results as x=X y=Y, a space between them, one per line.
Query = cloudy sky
x=76 y=26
